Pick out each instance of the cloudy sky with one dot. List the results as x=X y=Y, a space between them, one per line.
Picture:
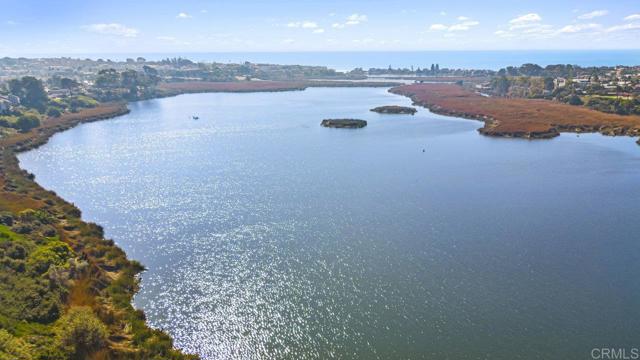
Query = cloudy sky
x=118 y=26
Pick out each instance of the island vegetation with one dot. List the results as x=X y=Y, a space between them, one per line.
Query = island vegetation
x=344 y=123
x=395 y=109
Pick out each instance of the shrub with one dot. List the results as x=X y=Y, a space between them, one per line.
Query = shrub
x=575 y=100
x=6 y=218
x=27 y=122
x=80 y=332
x=54 y=253
x=54 y=112
x=14 y=348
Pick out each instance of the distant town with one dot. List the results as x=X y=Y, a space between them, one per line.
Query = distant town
x=31 y=89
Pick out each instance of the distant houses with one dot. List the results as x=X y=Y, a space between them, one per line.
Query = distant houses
x=58 y=93
x=8 y=102
x=559 y=82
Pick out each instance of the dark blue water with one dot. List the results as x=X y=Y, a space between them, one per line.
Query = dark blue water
x=348 y=60
x=268 y=236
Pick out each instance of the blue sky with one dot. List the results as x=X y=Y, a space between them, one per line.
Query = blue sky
x=143 y=26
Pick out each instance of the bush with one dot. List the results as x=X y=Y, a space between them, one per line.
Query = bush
x=27 y=122
x=14 y=348
x=575 y=100
x=80 y=332
x=6 y=218
x=54 y=253
x=53 y=112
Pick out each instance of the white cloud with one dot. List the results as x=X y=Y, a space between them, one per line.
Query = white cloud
x=183 y=15
x=318 y=31
x=528 y=26
x=288 y=41
x=438 y=27
x=302 y=24
x=309 y=25
x=538 y=29
x=625 y=27
x=113 y=29
x=166 y=38
x=632 y=17
x=464 y=25
x=443 y=13
x=356 y=19
x=353 y=19
x=526 y=19
x=576 y=28
x=593 y=14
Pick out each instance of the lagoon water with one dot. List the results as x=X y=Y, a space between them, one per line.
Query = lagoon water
x=267 y=236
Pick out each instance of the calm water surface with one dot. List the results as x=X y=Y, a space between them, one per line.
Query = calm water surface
x=267 y=236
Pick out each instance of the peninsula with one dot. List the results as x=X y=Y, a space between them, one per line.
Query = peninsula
x=517 y=117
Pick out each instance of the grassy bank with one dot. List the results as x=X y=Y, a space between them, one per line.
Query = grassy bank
x=66 y=290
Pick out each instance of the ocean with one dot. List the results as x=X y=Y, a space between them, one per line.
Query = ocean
x=345 y=61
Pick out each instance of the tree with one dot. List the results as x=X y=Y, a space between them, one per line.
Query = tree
x=67 y=83
x=27 y=122
x=575 y=100
x=54 y=112
x=501 y=85
x=30 y=91
x=548 y=83
x=80 y=332
x=108 y=78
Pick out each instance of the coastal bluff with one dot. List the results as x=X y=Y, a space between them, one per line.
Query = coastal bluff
x=343 y=123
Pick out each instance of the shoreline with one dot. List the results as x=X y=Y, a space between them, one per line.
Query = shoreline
x=111 y=280
x=518 y=118
x=119 y=274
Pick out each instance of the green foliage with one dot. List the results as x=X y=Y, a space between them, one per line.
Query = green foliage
x=13 y=348
x=54 y=252
x=80 y=332
x=27 y=122
x=54 y=112
x=575 y=100
x=31 y=92
x=107 y=78
x=501 y=85
x=615 y=105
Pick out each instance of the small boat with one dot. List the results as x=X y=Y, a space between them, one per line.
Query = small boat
x=195 y=117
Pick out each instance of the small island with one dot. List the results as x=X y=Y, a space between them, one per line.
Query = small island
x=395 y=109
x=344 y=123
